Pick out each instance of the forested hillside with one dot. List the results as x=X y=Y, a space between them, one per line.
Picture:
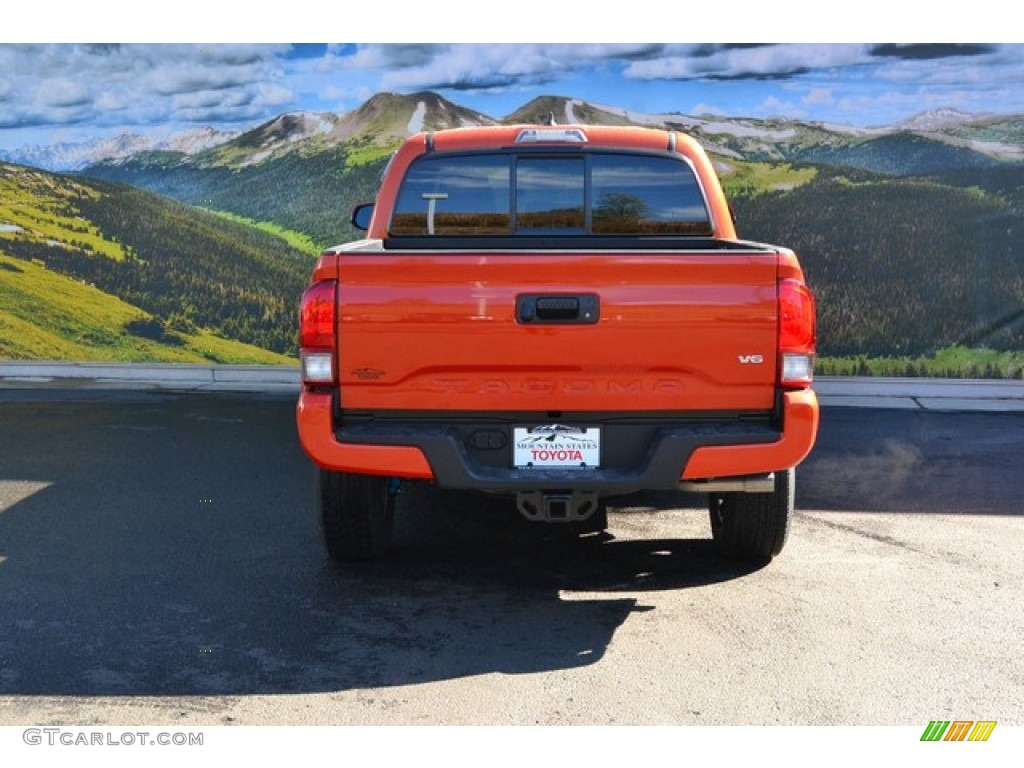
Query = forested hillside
x=900 y=154
x=186 y=272
x=310 y=194
x=902 y=266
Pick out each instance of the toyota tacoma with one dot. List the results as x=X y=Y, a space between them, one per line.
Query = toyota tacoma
x=559 y=314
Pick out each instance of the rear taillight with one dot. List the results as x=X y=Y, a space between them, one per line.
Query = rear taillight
x=317 y=333
x=797 y=334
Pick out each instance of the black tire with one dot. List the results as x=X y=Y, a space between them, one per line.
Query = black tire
x=753 y=527
x=357 y=514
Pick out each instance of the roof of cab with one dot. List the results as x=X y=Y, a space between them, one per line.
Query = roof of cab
x=495 y=136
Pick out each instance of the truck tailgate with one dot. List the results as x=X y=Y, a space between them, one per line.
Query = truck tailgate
x=461 y=331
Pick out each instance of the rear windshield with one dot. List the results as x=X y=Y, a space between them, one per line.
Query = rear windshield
x=589 y=193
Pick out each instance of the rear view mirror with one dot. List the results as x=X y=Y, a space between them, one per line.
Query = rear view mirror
x=361 y=216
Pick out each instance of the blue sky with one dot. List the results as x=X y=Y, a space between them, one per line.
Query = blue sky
x=52 y=92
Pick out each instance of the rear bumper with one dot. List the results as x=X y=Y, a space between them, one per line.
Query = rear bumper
x=800 y=429
x=696 y=451
x=315 y=417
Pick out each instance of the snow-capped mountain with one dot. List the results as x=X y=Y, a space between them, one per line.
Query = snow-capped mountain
x=74 y=156
x=380 y=122
x=937 y=119
x=194 y=140
x=395 y=116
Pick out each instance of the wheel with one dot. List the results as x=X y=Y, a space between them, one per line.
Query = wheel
x=753 y=527
x=357 y=514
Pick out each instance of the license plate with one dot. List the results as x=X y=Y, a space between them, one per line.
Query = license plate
x=556 y=446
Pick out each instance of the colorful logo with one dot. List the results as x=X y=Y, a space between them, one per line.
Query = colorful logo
x=958 y=730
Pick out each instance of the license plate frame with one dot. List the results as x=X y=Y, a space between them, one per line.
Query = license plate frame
x=556 y=446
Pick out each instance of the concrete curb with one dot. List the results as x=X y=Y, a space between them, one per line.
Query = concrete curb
x=156 y=376
x=922 y=394
x=914 y=394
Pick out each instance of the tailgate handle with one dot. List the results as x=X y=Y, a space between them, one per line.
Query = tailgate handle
x=558 y=309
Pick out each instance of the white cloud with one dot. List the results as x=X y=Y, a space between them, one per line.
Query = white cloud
x=195 y=76
x=774 y=107
x=707 y=109
x=331 y=93
x=728 y=62
x=108 y=101
x=62 y=92
x=994 y=71
x=59 y=84
x=474 y=66
x=272 y=95
x=397 y=56
x=819 y=96
x=208 y=99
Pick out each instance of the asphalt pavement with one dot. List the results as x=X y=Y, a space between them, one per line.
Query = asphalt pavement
x=160 y=562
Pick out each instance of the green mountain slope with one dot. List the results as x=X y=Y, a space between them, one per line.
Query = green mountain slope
x=900 y=266
x=311 y=194
x=48 y=316
x=902 y=154
x=105 y=271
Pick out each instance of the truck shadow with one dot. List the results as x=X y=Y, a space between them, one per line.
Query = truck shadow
x=177 y=554
x=914 y=461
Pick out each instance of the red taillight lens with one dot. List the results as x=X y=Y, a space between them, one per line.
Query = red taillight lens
x=317 y=319
x=316 y=316
x=797 y=333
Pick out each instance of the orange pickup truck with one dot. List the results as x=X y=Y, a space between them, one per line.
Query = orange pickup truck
x=561 y=314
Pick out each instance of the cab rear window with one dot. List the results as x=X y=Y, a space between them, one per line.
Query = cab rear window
x=589 y=193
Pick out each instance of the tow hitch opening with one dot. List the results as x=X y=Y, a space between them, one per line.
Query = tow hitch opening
x=557 y=506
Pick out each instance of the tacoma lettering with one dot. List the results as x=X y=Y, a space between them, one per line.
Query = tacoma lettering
x=571 y=386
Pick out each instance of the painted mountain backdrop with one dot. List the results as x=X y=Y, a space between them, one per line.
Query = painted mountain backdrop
x=910 y=234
